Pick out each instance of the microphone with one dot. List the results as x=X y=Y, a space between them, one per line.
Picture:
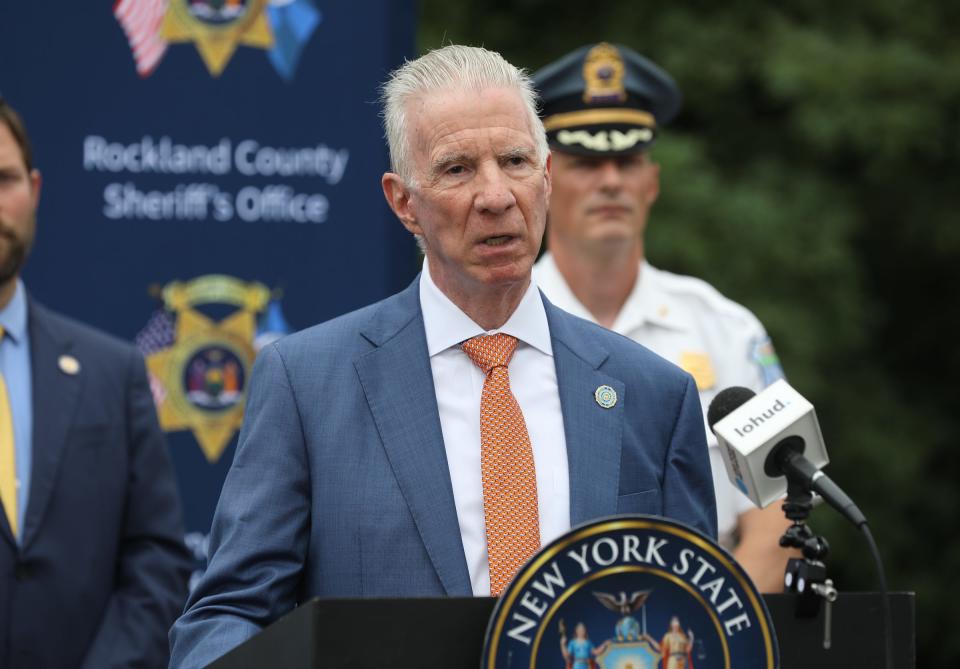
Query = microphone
x=770 y=438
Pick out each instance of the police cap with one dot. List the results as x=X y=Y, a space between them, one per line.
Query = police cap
x=604 y=99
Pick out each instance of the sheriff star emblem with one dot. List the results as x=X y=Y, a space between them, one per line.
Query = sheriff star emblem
x=217 y=27
x=203 y=373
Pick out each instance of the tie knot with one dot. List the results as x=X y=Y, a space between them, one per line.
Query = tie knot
x=489 y=351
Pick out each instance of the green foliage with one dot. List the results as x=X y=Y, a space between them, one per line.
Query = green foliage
x=812 y=177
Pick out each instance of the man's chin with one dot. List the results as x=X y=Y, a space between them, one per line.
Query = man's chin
x=614 y=229
x=610 y=243
x=10 y=263
x=506 y=276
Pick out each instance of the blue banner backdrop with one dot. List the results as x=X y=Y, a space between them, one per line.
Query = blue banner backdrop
x=211 y=180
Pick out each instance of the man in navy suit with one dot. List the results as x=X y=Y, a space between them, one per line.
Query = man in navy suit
x=362 y=466
x=93 y=569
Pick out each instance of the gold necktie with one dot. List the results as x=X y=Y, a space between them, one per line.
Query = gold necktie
x=510 y=509
x=8 y=461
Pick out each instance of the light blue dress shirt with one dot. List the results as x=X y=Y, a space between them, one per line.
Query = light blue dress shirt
x=15 y=366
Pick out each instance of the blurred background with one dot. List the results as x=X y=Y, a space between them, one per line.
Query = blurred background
x=813 y=177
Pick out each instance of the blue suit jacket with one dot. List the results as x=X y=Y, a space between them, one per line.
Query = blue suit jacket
x=340 y=485
x=102 y=570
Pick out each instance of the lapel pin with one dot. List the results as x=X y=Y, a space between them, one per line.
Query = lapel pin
x=605 y=396
x=68 y=364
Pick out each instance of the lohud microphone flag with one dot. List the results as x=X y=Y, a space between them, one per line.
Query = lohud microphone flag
x=749 y=426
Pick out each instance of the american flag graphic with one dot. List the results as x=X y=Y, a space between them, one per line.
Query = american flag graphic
x=141 y=21
x=156 y=335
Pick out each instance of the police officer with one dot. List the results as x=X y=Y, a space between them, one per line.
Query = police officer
x=602 y=106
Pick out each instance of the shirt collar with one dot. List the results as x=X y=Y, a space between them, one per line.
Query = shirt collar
x=13 y=317
x=446 y=325
x=647 y=303
x=558 y=288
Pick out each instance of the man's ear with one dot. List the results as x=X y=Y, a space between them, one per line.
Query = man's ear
x=36 y=181
x=548 y=174
x=398 y=196
x=653 y=190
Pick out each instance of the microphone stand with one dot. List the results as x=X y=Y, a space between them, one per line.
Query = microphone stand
x=805 y=576
x=808 y=576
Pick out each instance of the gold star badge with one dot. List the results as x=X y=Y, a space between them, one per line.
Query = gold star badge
x=206 y=371
x=217 y=27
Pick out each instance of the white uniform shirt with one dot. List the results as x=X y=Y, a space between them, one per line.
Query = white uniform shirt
x=458 y=384
x=688 y=322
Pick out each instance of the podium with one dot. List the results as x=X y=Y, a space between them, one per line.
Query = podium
x=446 y=633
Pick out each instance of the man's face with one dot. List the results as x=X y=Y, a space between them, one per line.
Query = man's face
x=601 y=201
x=19 y=195
x=479 y=196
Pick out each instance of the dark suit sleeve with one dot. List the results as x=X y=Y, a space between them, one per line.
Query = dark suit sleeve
x=153 y=564
x=260 y=532
x=688 y=494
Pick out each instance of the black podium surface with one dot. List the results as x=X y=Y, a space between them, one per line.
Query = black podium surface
x=375 y=633
x=855 y=635
x=449 y=633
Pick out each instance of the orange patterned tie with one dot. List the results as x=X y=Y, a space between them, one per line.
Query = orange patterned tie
x=506 y=464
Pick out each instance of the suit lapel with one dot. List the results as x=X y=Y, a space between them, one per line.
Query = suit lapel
x=398 y=385
x=593 y=434
x=55 y=396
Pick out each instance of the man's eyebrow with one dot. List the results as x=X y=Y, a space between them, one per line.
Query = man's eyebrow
x=517 y=152
x=445 y=159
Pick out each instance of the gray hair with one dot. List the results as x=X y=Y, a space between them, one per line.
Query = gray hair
x=454 y=67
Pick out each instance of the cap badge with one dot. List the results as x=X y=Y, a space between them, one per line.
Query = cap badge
x=603 y=74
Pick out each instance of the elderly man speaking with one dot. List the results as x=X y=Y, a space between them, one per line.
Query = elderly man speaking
x=429 y=444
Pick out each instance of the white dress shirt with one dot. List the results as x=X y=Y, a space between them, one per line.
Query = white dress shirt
x=458 y=384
